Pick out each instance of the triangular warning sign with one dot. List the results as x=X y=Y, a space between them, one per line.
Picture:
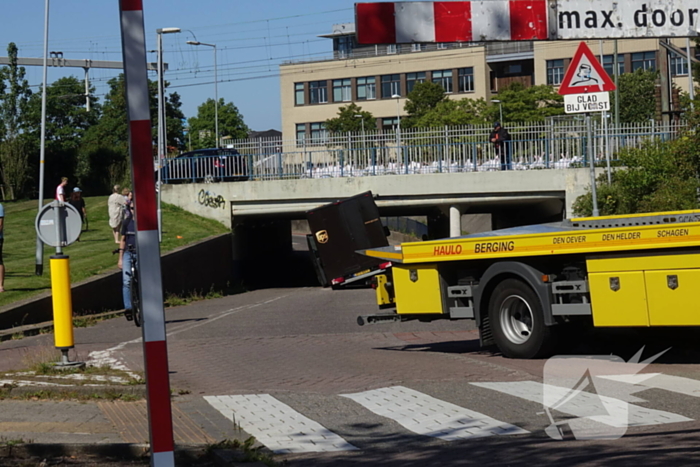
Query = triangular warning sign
x=585 y=74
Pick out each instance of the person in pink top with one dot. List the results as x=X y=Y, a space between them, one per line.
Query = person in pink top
x=61 y=190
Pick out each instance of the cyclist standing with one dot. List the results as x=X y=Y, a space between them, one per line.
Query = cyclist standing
x=127 y=254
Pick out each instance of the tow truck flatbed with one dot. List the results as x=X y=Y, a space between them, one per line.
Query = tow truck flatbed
x=583 y=235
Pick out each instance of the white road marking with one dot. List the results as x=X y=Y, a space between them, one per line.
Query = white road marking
x=105 y=358
x=586 y=404
x=276 y=425
x=428 y=416
x=678 y=384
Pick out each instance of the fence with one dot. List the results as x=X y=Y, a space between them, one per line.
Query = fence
x=555 y=144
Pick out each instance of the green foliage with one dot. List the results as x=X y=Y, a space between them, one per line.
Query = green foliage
x=452 y=112
x=637 y=91
x=93 y=254
x=103 y=157
x=14 y=150
x=231 y=124
x=659 y=176
x=521 y=104
x=422 y=99
x=346 y=121
x=67 y=121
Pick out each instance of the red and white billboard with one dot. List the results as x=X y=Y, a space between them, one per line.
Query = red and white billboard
x=518 y=20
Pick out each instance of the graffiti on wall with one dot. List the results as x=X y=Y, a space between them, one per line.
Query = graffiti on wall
x=211 y=200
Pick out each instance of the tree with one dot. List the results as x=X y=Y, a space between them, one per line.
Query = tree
x=659 y=176
x=422 y=99
x=452 y=112
x=347 y=120
x=637 y=96
x=14 y=152
x=67 y=121
x=104 y=153
x=532 y=104
x=231 y=124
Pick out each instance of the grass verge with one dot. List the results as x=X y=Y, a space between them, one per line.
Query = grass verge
x=90 y=256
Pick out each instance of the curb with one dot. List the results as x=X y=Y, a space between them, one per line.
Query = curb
x=34 y=329
x=184 y=454
x=123 y=451
x=108 y=392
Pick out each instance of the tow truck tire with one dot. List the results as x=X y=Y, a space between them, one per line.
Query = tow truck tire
x=517 y=321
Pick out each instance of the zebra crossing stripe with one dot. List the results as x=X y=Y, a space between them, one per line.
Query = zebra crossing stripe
x=276 y=425
x=425 y=415
x=586 y=404
x=677 y=384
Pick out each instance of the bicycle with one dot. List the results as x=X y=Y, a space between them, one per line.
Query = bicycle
x=134 y=288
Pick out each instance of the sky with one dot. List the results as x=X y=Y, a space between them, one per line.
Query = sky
x=252 y=39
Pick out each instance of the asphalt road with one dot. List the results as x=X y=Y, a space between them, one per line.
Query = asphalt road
x=300 y=349
x=290 y=366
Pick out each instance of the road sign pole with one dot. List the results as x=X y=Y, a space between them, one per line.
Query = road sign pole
x=155 y=349
x=591 y=161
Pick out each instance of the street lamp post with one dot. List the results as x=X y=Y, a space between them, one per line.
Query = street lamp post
x=398 y=119
x=39 y=266
x=500 y=108
x=216 y=90
x=162 y=130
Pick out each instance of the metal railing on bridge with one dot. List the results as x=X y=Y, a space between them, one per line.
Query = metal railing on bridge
x=547 y=145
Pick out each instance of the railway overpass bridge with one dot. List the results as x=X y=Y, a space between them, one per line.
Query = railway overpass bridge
x=259 y=213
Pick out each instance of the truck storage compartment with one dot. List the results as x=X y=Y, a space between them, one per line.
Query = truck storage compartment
x=419 y=289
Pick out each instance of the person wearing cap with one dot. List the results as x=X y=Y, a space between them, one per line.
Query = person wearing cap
x=501 y=142
x=76 y=200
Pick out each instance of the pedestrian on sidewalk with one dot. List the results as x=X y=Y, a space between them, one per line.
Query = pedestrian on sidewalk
x=115 y=206
x=127 y=251
x=501 y=142
x=61 y=190
x=77 y=201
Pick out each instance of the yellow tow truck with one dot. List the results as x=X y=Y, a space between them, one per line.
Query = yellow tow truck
x=523 y=285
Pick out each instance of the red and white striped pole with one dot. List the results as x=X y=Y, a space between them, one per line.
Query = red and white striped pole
x=148 y=250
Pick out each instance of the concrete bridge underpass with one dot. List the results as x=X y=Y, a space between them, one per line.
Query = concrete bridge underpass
x=260 y=213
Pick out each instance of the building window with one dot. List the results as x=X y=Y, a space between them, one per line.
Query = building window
x=390 y=123
x=342 y=90
x=441 y=46
x=643 y=60
x=679 y=65
x=344 y=46
x=318 y=92
x=555 y=72
x=391 y=49
x=466 y=79
x=366 y=88
x=391 y=85
x=299 y=93
x=416 y=47
x=301 y=132
x=319 y=135
x=444 y=79
x=608 y=64
x=414 y=78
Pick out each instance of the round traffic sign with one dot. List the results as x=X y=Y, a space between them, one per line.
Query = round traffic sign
x=58 y=224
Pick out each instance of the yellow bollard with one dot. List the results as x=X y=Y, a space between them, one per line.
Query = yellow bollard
x=62 y=303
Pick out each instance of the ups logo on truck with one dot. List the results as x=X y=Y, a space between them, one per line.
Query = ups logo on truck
x=322 y=236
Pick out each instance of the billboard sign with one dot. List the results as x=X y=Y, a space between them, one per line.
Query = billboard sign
x=516 y=20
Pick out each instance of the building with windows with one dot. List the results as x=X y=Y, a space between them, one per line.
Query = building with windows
x=378 y=77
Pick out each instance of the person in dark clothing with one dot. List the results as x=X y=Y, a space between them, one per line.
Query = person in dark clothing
x=127 y=252
x=501 y=141
x=76 y=200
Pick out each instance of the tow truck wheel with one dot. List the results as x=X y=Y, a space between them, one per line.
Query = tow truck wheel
x=517 y=321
